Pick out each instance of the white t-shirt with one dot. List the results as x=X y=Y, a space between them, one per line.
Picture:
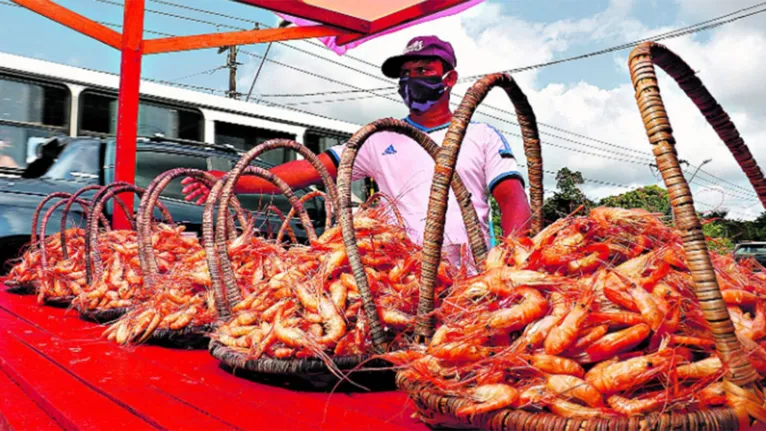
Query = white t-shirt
x=404 y=170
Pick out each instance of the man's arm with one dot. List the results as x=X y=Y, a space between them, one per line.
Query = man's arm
x=514 y=209
x=297 y=174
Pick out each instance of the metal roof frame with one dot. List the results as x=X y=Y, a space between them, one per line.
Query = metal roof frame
x=338 y=20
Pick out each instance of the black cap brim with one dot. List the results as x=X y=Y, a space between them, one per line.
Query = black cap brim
x=393 y=66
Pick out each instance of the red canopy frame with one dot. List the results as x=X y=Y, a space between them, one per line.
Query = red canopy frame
x=349 y=20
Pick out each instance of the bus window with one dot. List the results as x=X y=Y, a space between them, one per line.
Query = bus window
x=246 y=137
x=29 y=113
x=320 y=142
x=98 y=115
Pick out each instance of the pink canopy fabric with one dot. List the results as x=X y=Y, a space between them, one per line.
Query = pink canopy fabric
x=330 y=42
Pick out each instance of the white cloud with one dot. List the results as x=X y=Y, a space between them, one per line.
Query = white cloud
x=729 y=61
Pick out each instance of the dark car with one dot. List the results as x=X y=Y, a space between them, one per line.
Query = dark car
x=756 y=250
x=71 y=163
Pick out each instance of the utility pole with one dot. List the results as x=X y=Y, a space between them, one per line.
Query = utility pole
x=232 y=64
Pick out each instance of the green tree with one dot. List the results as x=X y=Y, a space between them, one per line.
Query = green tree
x=567 y=197
x=651 y=198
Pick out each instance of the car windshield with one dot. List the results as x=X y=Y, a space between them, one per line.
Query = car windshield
x=751 y=249
x=77 y=161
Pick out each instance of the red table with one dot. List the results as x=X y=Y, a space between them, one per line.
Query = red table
x=57 y=373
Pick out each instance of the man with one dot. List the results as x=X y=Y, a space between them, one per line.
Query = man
x=403 y=170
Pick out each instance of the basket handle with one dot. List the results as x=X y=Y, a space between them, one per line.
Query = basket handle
x=65 y=214
x=150 y=199
x=345 y=169
x=642 y=72
x=286 y=220
x=232 y=295
x=684 y=75
x=445 y=170
x=91 y=239
x=44 y=225
x=223 y=197
x=39 y=208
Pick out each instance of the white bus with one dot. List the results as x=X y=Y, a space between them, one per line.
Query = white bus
x=39 y=99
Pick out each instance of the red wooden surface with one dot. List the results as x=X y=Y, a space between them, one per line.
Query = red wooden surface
x=56 y=372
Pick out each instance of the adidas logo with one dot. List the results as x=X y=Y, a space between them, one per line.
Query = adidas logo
x=390 y=150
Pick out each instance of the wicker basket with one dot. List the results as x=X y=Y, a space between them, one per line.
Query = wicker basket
x=95 y=268
x=345 y=169
x=56 y=301
x=741 y=380
x=191 y=337
x=308 y=373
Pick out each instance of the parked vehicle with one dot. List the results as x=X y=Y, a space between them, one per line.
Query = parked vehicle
x=754 y=249
x=71 y=163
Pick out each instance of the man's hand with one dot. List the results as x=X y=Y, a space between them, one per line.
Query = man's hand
x=195 y=191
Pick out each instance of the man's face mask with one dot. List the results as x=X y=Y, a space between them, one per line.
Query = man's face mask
x=421 y=93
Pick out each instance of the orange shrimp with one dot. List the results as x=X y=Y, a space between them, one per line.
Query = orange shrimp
x=648 y=305
x=597 y=254
x=686 y=340
x=739 y=297
x=535 y=333
x=555 y=365
x=446 y=345
x=630 y=373
x=639 y=405
x=712 y=395
x=573 y=387
x=589 y=336
x=617 y=318
x=489 y=397
x=565 y=334
x=532 y=307
x=700 y=369
x=568 y=409
x=614 y=343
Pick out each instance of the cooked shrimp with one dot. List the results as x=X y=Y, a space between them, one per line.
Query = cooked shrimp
x=532 y=307
x=573 y=387
x=556 y=365
x=639 y=405
x=489 y=397
x=568 y=409
x=614 y=343
x=628 y=374
x=565 y=334
x=700 y=369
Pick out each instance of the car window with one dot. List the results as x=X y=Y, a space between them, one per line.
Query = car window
x=751 y=249
x=149 y=164
x=254 y=202
x=76 y=162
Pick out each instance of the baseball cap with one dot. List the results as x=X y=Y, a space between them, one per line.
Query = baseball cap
x=419 y=47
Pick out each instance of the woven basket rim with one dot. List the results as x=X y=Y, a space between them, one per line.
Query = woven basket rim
x=650 y=420
x=217 y=350
x=103 y=315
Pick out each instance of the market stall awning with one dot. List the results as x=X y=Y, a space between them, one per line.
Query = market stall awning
x=340 y=24
x=364 y=20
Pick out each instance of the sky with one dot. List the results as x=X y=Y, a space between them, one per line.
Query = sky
x=586 y=108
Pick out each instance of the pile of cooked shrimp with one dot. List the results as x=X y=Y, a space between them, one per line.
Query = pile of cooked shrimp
x=594 y=316
x=312 y=306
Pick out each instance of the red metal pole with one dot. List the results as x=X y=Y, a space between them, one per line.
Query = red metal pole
x=127 y=111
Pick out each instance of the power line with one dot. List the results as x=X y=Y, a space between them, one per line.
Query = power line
x=358 y=89
x=231 y=27
x=695 y=27
x=683 y=31
x=257 y=23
